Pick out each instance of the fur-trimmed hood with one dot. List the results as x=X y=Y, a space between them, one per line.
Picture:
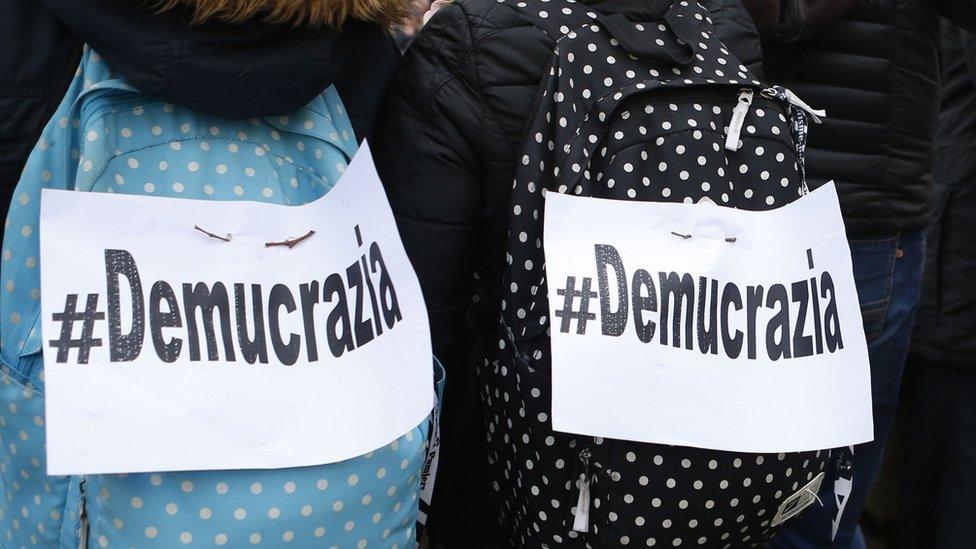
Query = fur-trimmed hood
x=296 y=12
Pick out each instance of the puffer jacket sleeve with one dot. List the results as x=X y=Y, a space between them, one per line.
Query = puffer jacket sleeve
x=961 y=12
x=968 y=41
x=426 y=147
x=783 y=21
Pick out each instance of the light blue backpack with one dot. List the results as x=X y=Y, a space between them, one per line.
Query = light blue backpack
x=107 y=137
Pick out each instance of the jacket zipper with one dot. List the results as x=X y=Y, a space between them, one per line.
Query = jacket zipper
x=582 y=521
x=738 y=119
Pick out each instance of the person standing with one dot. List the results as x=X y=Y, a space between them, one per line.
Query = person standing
x=449 y=143
x=874 y=67
x=209 y=100
x=938 y=490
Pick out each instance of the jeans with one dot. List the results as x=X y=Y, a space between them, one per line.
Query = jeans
x=888 y=274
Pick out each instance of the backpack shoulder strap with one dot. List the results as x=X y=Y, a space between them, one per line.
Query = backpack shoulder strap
x=556 y=18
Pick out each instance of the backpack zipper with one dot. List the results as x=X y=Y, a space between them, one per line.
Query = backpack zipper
x=83 y=518
x=738 y=119
x=582 y=521
x=795 y=100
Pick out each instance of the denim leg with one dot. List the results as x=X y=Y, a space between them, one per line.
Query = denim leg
x=888 y=274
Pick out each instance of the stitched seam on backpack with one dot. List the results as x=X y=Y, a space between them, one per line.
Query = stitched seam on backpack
x=19 y=378
x=97 y=113
x=643 y=142
x=271 y=155
x=709 y=130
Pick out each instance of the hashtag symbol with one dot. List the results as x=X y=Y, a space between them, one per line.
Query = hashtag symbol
x=567 y=314
x=68 y=318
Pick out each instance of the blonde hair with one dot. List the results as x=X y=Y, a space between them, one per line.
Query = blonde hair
x=296 y=12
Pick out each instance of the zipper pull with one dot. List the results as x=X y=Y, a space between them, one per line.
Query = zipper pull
x=738 y=119
x=83 y=518
x=794 y=99
x=582 y=521
x=842 y=486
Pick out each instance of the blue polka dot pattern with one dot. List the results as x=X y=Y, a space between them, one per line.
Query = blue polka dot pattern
x=107 y=137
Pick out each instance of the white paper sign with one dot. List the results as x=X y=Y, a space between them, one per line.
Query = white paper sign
x=152 y=358
x=704 y=326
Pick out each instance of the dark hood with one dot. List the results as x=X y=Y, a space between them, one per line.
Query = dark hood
x=234 y=70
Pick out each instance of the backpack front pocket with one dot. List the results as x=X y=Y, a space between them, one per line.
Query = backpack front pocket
x=369 y=500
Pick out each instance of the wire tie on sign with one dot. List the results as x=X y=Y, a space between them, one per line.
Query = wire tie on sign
x=212 y=235
x=291 y=242
x=730 y=239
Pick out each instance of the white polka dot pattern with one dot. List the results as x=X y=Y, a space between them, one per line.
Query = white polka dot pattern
x=629 y=111
x=116 y=140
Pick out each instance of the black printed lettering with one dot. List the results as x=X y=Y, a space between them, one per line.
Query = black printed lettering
x=643 y=284
x=287 y=353
x=680 y=292
x=831 y=322
x=778 y=329
x=309 y=295
x=817 y=327
x=754 y=300
x=388 y=297
x=708 y=336
x=124 y=347
x=802 y=344
x=731 y=344
x=612 y=323
x=252 y=349
x=338 y=327
x=161 y=292
x=363 y=328
x=207 y=300
x=377 y=322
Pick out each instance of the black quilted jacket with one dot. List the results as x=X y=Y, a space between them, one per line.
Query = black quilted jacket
x=945 y=327
x=453 y=126
x=876 y=72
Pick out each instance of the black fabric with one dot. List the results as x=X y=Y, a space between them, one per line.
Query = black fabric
x=935 y=502
x=238 y=71
x=945 y=331
x=447 y=146
x=38 y=56
x=939 y=390
x=876 y=73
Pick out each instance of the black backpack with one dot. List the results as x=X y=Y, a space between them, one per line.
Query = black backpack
x=651 y=111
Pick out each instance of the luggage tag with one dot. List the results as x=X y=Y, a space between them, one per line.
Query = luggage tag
x=795 y=504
